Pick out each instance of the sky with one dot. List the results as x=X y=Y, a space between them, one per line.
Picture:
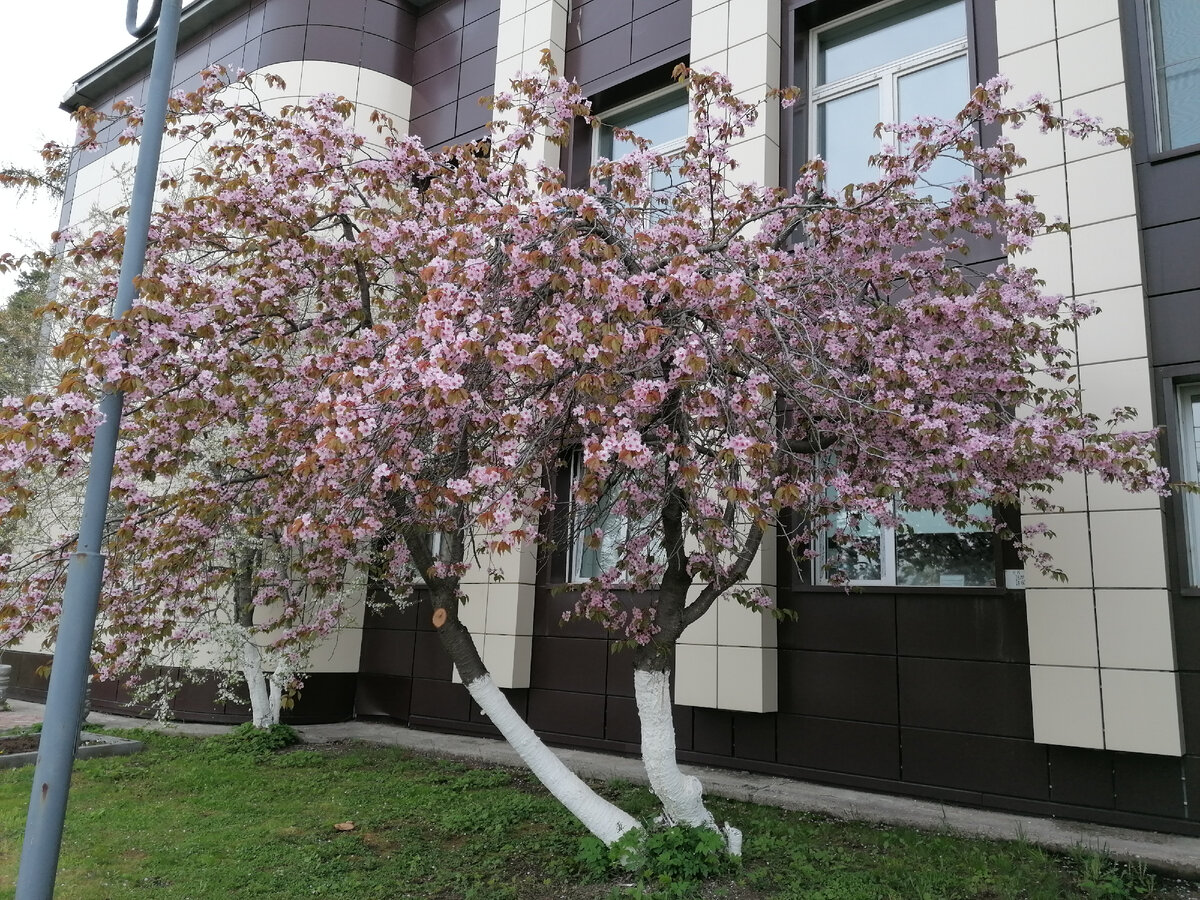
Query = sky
x=44 y=47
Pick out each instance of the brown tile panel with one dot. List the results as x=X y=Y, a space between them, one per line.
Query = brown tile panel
x=962 y=627
x=346 y=13
x=470 y=121
x=438 y=21
x=754 y=736
x=644 y=7
x=684 y=727
x=429 y=659
x=548 y=616
x=973 y=762
x=383 y=695
x=1172 y=264
x=282 y=13
x=329 y=42
x=435 y=92
x=389 y=57
x=569 y=664
x=1169 y=190
x=591 y=20
x=387 y=652
x=281 y=45
x=436 y=128
x=388 y=21
x=976 y=697
x=476 y=76
x=610 y=52
x=834 y=745
x=437 y=56
x=567 y=713
x=1174 y=325
x=1149 y=784
x=1189 y=699
x=392 y=615
x=480 y=36
x=712 y=731
x=664 y=28
x=477 y=9
x=838 y=685
x=834 y=620
x=621 y=720
x=619 y=678
x=325 y=697
x=438 y=699
x=1081 y=777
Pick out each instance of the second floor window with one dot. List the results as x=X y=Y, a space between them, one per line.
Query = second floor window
x=889 y=64
x=1175 y=35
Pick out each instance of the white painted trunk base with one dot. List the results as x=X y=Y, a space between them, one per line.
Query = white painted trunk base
x=601 y=818
x=266 y=693
x=682 y=796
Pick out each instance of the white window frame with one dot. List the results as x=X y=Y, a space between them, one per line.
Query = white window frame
x=666 y=148
x=577 y=533
x=1162 y=119
x=1185 y=395
x=889 y=73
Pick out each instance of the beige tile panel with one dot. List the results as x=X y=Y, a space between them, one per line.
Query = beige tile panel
x=703 y=631
x=339 y=653
x=1118 y=330
x=1090 y=60
x=473 y=612
x=750 y=18
x=1062 y=627
x=1070 y=548
x=1111 y=106
x=747 y=679
x=324 y=77
x=1128 y=549
x=1135 y=630
x=385 y=92
x=507 y=658
x=1075 y=15
x=1050 y=255
x=291 y=73
x=1049 y=189
x=1112 y=385
x=510 y=608
x=738 y=626
x=1106 y=256
x=1141 y=712
x=1023 y=23
x=710 y=30
x=1066 y=706
x=754 y=62
x=1069 y=494
x=696 y=675
x=1109 y=495
x=1032 y=71
x=1101 y=188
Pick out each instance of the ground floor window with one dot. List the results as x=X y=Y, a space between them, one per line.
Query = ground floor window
x=1189 y=440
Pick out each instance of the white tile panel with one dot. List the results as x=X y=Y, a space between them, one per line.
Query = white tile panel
x=696 y=675
x=1118 y=331
x=1101 y=188
x=1106 y=256
x=1134 y=628
x=747 y=679
x=1110 y=385
x=1023 y=23
x=1141 y=712
x=1070 y=548
x=1066 y=706
x=1090 y=60
x=1128 y=549
x=1076 y=15
x=1062 y=627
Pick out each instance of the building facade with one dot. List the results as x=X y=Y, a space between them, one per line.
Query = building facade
x=982 y=684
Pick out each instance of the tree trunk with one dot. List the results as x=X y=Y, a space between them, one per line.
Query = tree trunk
x=601 y=818
x=266 y=694
x=682 y=796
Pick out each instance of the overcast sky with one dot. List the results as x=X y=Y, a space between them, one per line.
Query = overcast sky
x=45 y=45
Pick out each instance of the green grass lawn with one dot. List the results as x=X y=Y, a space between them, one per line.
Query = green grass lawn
x=192 y=818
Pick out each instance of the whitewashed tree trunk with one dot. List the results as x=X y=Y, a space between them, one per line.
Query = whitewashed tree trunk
x=601 y=818
x=266 y=694
x=682 y=796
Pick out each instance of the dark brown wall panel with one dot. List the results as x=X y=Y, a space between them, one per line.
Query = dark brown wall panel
x=861 y=748
x=991 y=627
x=838 y=620
x=838 y=685
x=974 y=697
x=1081 y=777
x=614 y=41
x=990 y=765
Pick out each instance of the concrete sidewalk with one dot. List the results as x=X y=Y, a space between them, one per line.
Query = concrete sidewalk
x=1167 y=853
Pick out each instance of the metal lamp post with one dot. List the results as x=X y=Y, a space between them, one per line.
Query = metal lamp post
x=69 y=674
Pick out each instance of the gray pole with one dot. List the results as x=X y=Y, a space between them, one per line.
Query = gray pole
x=68 y=676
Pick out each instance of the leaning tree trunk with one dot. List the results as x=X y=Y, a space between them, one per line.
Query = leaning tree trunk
x=603 y=819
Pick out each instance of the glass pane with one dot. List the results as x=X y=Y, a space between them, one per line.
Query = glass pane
x=876 y=40
x=594 y=560
x=659 y=121
x=855 y=563
x=846 y=137
x=931 y=551
x=1179 y=99
x=939 y=90
x=1177 y=30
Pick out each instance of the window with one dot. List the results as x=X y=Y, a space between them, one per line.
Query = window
x=661 y=118
x=1189 y=440
x=590 y=558
x=928 y=552
x=1175 y=39
x=888 y=65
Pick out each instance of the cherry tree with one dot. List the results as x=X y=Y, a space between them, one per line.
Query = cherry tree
x=373 y=357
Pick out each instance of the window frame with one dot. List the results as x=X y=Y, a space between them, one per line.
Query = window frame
x=887 y=73
x=1185 y=394
x=630 y=106
x=1157 y=112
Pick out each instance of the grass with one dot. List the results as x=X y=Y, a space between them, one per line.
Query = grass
x=220 y=818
